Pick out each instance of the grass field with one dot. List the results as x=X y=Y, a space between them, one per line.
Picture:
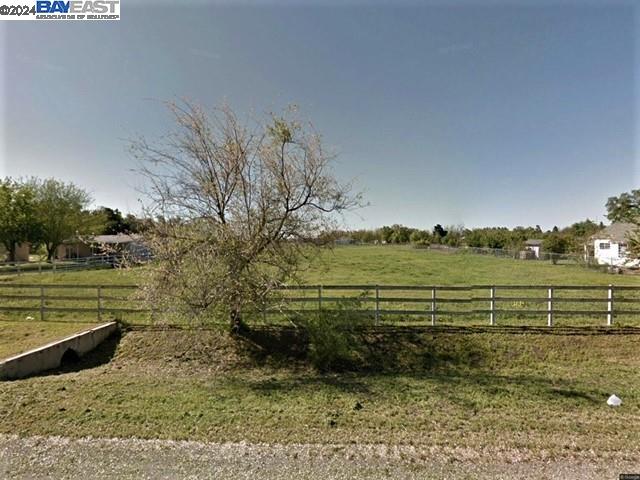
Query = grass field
x=544 y=393
x=403 y=265
x=383 y=265
x=388 y=264
x=18 y=337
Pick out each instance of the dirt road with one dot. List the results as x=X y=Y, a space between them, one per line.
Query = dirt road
x=55 y=457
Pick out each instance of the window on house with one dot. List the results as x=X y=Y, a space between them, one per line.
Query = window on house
x=604 y=246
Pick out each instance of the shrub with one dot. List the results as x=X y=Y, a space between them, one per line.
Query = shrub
x=333 y=343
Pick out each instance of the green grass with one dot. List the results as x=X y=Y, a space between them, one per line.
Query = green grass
x=403 y=265
x=384 y=265
x=541 y=392
x=544 y=392
x=388 y=265
x=108 y=276
x=18 y=337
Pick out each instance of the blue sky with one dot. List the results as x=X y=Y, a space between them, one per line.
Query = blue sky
x=508 y=114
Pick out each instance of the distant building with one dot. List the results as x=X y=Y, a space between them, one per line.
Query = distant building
x=610 y=245
x=345 y=241
x=534 y=245
x=21 y=252
x=131 y=245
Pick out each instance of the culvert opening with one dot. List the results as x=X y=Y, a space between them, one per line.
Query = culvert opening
x=69 y=357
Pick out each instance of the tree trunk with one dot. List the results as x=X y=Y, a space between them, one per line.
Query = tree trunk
x=51 y=251
x=237 y=325
x=11 y=255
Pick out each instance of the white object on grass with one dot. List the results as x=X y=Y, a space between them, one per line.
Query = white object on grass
x=614 y=401
x=29 y=318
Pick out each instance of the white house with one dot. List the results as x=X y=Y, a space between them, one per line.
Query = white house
x=534 y=245
x=610 y=245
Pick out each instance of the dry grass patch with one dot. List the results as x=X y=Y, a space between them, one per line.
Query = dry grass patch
x=542 y=392
x=20 y=336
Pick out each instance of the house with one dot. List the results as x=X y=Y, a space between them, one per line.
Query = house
x=610 y=245
x=344 y=241
x=131 y=245
x=534 y=245
x=21 y=252
x=74 y=249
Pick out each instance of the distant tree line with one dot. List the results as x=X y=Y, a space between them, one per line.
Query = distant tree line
x=46 y=212
x=400 y=234
x=567 y=240
x=622 y=208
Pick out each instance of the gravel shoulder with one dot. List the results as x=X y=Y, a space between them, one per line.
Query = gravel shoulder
x=59 y=457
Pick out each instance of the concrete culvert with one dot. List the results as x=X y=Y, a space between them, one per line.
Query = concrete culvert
x=69 y=357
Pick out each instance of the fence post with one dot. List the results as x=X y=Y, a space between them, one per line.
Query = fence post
x=99 y=302
x=377 y=305
x=54 y=265
x=320 y=298
x=492 y=306
x=610 y=305
x=550 y=307
x=433 y=306
x=41 y=304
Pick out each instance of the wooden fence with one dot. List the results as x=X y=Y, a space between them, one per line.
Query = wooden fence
x=60 y=266
x=41 y=299
x=488 y=304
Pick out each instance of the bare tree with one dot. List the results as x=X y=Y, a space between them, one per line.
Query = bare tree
x=238 y=205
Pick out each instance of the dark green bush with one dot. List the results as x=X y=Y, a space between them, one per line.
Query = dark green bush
x=332 y=335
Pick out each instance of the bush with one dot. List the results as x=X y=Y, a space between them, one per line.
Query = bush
x=333 y=343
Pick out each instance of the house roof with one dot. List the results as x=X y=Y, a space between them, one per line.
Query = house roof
x=114 y=239
x=534 y=242
x=104 y=239
x=616 y=232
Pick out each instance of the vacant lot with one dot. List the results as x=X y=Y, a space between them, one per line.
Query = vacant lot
x=388 y=264
x=403 y=265
x=18 y=337
x=500 y=400
x=384 y=265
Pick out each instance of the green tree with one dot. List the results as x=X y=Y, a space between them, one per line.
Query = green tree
x=625 y=207
x=135 y=224
x=556 y=244
x=114 y=222
x=633 y=244
x=439 y=233
x=420 y=237
x=578 y=234
x=19 y=221
x=61 y=211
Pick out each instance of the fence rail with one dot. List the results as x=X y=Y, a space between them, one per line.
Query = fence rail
x=488 y=304
x=59 y=266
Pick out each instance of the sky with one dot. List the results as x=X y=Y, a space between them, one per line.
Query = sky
x=460 y=113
